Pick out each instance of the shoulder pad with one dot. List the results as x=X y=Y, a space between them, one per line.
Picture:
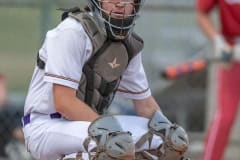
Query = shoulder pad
x=95 y=33
x=70 y=10
x=134 y=45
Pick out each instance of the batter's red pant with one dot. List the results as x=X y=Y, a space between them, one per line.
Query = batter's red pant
x=228 y=100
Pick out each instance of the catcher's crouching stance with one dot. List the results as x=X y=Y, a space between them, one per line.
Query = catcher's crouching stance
x=88 y=58
x=113 y=143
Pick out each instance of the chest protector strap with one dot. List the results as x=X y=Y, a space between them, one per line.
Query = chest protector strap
x=96 y=35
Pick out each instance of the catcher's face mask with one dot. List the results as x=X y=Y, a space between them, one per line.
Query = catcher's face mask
x=116 y=16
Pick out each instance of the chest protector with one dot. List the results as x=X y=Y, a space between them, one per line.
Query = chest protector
x=101 y=74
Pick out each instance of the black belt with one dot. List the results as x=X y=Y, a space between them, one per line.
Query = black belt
x=26 y=119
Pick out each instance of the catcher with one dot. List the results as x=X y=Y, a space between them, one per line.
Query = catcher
x=84 y=61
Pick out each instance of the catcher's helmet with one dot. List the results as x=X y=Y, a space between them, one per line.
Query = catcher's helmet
x=116 y=25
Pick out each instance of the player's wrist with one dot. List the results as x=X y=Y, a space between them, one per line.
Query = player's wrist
x=218 y=38
x=222 y=49
x=219 y=41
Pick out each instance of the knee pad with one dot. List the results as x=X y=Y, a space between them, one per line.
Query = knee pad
x=112 y=142
x=175 y=144
x=175 y=140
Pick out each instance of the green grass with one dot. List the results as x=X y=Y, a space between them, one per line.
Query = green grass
x=19 y=43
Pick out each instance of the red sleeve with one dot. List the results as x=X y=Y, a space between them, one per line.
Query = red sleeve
x=205 y=5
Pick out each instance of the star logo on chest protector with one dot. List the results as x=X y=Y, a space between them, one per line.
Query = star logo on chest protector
x=114 y=64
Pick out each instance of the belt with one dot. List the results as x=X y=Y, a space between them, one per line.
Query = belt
x=26 y=119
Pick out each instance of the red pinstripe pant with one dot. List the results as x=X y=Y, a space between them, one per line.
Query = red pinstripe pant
x=228 y=100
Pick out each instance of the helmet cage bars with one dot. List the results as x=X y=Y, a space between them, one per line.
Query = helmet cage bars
x=117 y=25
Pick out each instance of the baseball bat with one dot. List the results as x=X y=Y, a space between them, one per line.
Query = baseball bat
x=186 y=68
x=198 y=65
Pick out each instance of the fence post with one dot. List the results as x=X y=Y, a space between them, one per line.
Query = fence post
x=46 y=17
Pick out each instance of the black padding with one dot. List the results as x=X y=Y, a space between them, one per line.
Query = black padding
x=70 y=10
x=40 y=62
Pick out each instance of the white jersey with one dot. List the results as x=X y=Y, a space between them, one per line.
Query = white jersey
x=65 y=51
